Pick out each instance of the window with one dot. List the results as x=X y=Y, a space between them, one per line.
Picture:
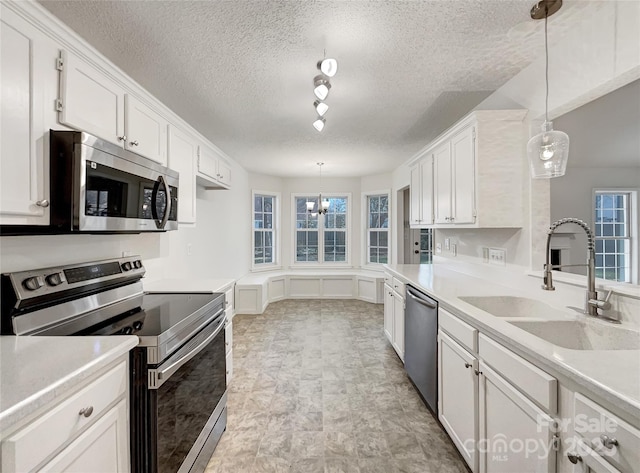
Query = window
x=426 y=245
x=377 y=228
x=264 y=229
x=613 y=235
x=321 y=238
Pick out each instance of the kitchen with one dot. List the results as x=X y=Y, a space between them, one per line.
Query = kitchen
x=593 y=54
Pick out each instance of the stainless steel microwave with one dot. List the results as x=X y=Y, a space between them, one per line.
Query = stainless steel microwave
x=98 y=187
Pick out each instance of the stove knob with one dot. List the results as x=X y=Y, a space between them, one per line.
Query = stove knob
x=137 y=325
x=126 y=266
x=33 y=283
x=54 y=279
x=137 y=264
x=127 y=330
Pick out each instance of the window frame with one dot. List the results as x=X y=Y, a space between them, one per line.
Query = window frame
x=633 y=214
x=276 y=264
x=321 y=228
x=365 y=254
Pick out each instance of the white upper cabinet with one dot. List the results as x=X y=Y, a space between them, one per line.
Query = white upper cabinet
x=183 y=156
x=454 y=190
x=421 y=191
x=28 y=79
x=89 y=100
x=145 y=130
x=213 y=170
x=479 y=172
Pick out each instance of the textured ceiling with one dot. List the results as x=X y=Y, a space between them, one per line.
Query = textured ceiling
x=241 y=71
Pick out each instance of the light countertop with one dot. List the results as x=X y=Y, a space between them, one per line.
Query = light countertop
x=613 y=375
x=35 y=370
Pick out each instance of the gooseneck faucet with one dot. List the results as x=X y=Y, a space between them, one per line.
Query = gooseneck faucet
x=592 y=303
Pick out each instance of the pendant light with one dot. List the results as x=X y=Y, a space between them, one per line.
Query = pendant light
x=548 y=151
x=320 y=107
x=323 y=205
x=328 y=66
x=321 y=86
x=319 y=123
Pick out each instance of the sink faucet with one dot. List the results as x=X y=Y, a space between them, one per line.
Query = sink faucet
x=592 y=303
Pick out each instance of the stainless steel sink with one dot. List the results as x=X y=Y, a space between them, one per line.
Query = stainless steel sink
x=579 y=335
x=512 y=306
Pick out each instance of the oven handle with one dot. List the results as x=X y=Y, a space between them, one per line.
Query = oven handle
x=165 y=373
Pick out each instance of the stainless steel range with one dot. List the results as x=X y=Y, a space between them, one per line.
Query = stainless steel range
x=178 y=370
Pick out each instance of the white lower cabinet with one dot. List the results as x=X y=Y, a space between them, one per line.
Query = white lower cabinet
x=101 y=449
x=458 y=397
x=515 y=435
x=496 y=406
x=394 y=317
x=81 y=431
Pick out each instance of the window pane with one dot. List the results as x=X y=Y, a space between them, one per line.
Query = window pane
x=373 y=255
x=383 y=239
x=258 y=238
x=313 y=238
x=384 y=204
x=599 y=245
x=268 y=221
x=373 y=238
x=257 y=221
x=607 y=229
x=329 y=238
x=374 y=204
x=301 y=205
x=610 y=246
x=268 y=238
x=258 y=203
x=330 y=221
x=301 y=238
x=384 y=220
x=340 y=238
x=621 y=230
x=374 y=221
x=268 y=204
x=382 y=255
x=341 y=221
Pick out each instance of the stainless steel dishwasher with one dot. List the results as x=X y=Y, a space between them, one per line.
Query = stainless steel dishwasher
x=421 y=346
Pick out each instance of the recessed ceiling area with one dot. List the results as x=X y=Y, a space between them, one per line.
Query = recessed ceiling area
x=241 y=72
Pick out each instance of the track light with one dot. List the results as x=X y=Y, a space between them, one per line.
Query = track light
x=328 y=66
x=320 y=107
x=319 y=124
x=321 y=87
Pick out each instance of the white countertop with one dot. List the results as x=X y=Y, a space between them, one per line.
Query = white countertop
x=188 y=285
x=35 y=370
x=613 y=375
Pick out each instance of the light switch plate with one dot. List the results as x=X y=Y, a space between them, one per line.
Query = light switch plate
x=438 y=248
x=447 y=243
x=454 y=249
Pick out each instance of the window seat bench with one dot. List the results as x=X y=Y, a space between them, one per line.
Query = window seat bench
x=255 y=291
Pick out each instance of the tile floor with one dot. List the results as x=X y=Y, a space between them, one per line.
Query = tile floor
x=317 y=388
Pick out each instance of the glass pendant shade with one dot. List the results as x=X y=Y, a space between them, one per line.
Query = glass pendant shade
x=319 y=124
x=320 y=107
x=310 y=205
x=321 y=87
x=328 y=66
x=325 y=205
x=548 y=153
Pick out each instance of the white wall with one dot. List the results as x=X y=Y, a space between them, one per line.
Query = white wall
x=220 y=244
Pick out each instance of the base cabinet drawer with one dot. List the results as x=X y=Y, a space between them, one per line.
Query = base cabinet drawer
x=33 y=444
x=613 y=439
x=103 y=448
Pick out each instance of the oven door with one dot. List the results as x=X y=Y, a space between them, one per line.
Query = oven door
x=188 y=400
x=115 y=194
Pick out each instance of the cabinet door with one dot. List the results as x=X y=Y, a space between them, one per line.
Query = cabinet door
x=104 y=447
x=207 y=162
x=224 y=173
x=146 y=130
x=426 y=179
x=183 y=155
x=398 y=324
x=516 y=434
x=463 y=169
x=415 y=199
x=590 y=460
x=442 y=184
x=25 y=64
x=91 y=101
x=388 y=313
x=458 y=395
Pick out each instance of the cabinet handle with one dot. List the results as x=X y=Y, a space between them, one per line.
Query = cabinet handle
x=122 y=138
x=478 y=373
x=43 y=203
x=467 y=365
x=608 y=442
x=86 y=411
x=574 y=457
x=134 y=143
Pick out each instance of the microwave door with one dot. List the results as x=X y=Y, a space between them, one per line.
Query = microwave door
x=161 y=203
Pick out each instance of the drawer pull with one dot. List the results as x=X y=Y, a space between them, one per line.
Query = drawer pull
x=574 y=457
x=478 y=372
x=467 y=365
x=608 y=442
x=86 y=411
